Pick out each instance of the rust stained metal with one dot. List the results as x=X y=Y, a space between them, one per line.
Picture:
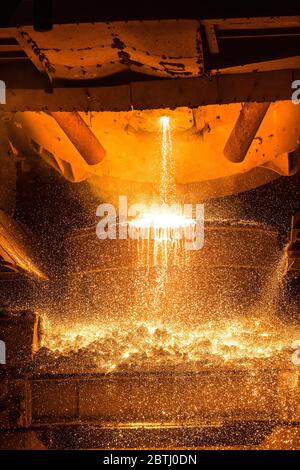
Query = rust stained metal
x=154 y=94
x=143 y=45
x=244 y=131
x=81 y=136
x=34 y=52
x=211 y=38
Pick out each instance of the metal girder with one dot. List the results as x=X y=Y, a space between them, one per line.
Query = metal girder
x=146 y=408
x=30 y=94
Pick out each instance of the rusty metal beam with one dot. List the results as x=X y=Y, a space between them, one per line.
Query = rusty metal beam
x=26 y=90
x=81 y=136
x=244 y=131
x=211 y=38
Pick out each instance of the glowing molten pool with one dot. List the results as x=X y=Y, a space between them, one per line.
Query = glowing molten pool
x=147 y=346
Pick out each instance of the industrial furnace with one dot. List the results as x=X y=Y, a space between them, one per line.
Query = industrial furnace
x=149 y=232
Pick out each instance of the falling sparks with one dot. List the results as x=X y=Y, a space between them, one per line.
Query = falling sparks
x=164 y=333
x=167 y=174
x=164 y=224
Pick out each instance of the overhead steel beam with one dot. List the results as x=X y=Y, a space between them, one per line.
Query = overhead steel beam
x=29 y=92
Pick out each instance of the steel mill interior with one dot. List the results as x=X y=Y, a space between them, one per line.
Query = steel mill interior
x=125 y=338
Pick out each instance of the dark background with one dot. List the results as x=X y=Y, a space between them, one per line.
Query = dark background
x=42 y=12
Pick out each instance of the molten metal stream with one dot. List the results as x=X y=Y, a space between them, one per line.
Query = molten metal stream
x=166 y=227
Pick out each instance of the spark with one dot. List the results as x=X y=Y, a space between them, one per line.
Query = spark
x=151 y=345
x=165 y=121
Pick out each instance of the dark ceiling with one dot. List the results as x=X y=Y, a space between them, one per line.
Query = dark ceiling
x=43 y=12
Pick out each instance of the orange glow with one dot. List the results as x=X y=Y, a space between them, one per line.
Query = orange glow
x=155 y=345
x=164 y=121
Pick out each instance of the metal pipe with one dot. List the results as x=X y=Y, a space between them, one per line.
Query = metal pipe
x=80 y=135
x=244 y=131
x=18 y=247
